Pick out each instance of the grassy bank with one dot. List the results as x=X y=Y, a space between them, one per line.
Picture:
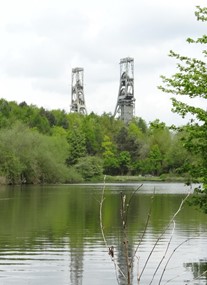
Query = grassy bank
x=119 y=179
x=162 y=178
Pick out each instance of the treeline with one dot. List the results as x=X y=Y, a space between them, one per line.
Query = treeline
x=41 y=146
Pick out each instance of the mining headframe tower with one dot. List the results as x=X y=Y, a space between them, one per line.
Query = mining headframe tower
x=77 y=91
x=126 y=102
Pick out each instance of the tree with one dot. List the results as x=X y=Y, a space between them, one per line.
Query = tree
x=153 y=163
x=61 y=119
x=141 y=124
x=159 y=134
x=124 y=160
x=89 y=167
x=93 y=134
x=177 y=158
x=110 y=161
x=191 y=81
x=27 y=156
x=77 y=145
x=128 y=140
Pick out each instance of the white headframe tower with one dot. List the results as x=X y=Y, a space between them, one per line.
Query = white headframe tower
x=77 y=92
x=126 y=102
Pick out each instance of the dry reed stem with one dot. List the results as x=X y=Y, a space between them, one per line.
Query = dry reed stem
x=161 y=235
x=169 y=242
x=124 y=218
x=189 y=282
x=117 y=268
x=123 y=214
x=145 y=229
x=168 y=260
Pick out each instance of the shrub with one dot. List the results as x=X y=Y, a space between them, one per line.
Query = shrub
x=89 y=167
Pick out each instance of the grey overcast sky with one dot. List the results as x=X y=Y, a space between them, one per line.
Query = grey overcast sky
x=42 y=40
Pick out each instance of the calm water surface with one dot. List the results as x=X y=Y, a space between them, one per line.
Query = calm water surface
x=51 y=235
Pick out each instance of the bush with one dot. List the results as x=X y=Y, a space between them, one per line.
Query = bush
x=27 y=156
x=74 y=176
x=90 y=167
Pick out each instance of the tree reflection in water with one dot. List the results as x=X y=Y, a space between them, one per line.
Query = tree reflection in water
x=51 y=234
x=199 y=269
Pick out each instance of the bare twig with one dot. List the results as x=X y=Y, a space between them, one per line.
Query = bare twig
x=196 y=278
x=180 y=207
x=109 y=248
x=100 y=213
x=130 y=199
x=168 y=260
x=123 y=213
x=124 y=217
x=161 y=235
x=169 y=242
x=189 y=282
x=145 y=228
x=141 y=239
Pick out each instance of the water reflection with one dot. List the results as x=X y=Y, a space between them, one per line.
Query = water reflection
x=199 y=269
x=76 y=266
x=51 y=235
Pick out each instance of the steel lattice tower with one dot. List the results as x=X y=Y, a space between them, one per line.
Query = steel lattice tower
x=77 y=92
x=126 y=101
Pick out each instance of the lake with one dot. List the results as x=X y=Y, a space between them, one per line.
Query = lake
x=51 y=235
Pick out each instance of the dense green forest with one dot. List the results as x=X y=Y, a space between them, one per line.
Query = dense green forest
x=41 y=146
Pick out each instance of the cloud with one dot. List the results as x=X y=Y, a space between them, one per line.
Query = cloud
x=41 y=41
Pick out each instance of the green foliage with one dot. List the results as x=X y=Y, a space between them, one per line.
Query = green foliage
x=61 y=118
x=29 y=157
x=74 y=176
x=177 y=157
x=90 y=167
x=111 y=165
x=32 y=151
x=128 y=140
x=77 y=145
x=160 y=135
x=191 y=81
x=93 y=133
x=155 y=160
x=199 y=199
x=110 y=160
x=124 y=161
x=153 y=163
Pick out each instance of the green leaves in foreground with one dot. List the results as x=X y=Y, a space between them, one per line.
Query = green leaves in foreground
x=191 y=81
